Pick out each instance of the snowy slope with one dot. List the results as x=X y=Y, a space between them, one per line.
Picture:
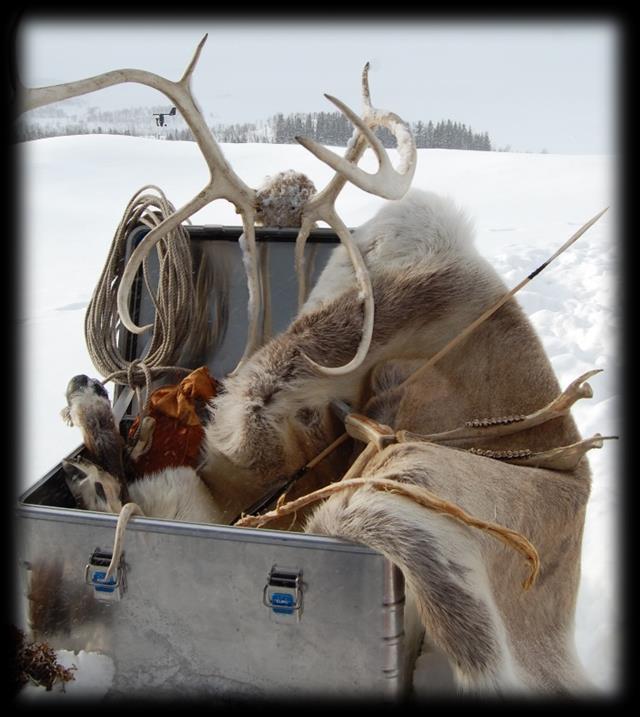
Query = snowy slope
x=525 y=206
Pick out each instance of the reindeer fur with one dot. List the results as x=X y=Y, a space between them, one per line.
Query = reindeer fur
x=272 y=416
x=89 y=408
x=175 y=493
x=98 y=482
x=429 y=283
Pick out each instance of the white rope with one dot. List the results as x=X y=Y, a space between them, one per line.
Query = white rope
x=175 y=306
x=174 y=299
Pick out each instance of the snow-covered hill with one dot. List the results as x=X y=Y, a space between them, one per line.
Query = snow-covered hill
x=524 y=205
x=78 y=117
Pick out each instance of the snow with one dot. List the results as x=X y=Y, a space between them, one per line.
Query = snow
x=75 y=189
x=93 y=676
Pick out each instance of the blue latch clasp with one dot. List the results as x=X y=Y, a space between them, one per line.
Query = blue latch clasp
x=283 y=591
x=95 y=574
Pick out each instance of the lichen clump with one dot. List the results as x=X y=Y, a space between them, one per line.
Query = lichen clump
x=35 y=662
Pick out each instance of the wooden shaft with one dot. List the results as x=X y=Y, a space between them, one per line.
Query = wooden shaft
x=489 y=312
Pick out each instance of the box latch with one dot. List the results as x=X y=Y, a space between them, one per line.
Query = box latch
x=95 y=574
x=283 y=592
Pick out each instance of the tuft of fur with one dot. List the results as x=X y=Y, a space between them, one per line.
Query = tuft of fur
x=176 y=494
x=281 y=199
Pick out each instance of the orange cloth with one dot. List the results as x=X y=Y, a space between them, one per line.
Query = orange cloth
x=178 y=430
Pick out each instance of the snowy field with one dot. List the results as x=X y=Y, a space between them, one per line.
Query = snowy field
x=525 y=206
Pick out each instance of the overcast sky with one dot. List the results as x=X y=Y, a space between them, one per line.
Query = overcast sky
x=531 y=84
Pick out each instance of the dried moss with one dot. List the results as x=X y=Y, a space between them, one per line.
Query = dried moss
x=34 y=662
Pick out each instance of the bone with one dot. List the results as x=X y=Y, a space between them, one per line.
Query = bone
x=144 y=439
x=563 y=458
x=479 y=429
x=367 y=430
x=386 y=182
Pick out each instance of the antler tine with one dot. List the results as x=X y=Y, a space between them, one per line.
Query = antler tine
x=186 y=77
x=366 y=294
x=224 y=183
x=140 y=253
x=247 y=243
x=301 y=241
x=315 y=208
x=386 y=182
x=366 y=93
x=355 y=149
x=493 y=428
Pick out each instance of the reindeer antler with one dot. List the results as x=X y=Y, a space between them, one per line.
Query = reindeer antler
x=223 y=183
x=386 y=182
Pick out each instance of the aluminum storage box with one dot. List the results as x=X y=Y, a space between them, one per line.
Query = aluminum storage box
x=216 y=610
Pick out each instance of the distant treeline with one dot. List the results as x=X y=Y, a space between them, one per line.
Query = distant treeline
x=329 y=128
x=36 y=131
x=335 y=129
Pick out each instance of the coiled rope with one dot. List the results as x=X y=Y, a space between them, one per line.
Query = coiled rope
x=174 y=299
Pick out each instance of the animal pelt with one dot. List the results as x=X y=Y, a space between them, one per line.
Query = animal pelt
x=429 y=284
x=174 y=493
x=467 y=587
x=273 y=414
x=88 y=407
x=423 y=230
x=173 y=490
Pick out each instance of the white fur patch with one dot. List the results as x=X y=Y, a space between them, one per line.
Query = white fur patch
x=176 y=494
x=421 y=227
